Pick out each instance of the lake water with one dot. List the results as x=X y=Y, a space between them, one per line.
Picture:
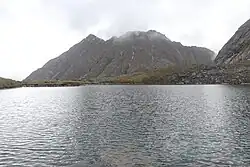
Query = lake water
x=125 y=126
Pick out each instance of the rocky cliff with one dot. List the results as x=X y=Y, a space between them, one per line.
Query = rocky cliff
x=127 y=54
x=237 y=49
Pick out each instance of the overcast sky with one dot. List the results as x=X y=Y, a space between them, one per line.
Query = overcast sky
x=34 y=31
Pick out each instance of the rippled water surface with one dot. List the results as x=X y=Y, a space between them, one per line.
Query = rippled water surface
x=125 y=126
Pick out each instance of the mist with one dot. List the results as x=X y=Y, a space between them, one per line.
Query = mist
x=35 y=31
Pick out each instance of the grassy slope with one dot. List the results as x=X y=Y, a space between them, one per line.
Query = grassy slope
x=140 y=77
x=8 y=83
x=54 y=83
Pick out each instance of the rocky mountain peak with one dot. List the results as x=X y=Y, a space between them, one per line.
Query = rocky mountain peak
x=92 y=38
x=141 y=35
x=156 y=35
x=134 y=51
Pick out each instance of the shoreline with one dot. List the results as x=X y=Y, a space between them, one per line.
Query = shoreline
x=120 y=84
x=237 y=74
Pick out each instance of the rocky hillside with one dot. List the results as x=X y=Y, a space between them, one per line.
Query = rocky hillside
x=132 y=52
x=232 y=65
x=229 y=74
x=237 y=49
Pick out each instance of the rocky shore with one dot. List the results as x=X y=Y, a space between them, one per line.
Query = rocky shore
x=231 y=74
x=235 y=74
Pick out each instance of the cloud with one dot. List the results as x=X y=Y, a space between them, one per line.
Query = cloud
x=193 y=22
x=29 y=38
x=34 y=31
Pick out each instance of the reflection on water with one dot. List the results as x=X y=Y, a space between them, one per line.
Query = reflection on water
x=125 y=126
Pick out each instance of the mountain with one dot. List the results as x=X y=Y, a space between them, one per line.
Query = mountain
x=132 y=52
x=237 y=49
x=8 y=83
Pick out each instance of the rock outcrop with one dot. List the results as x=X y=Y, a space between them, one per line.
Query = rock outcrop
x=237 y=49
x=132 y=52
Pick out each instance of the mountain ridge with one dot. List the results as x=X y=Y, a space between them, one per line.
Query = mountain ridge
x=131 y=52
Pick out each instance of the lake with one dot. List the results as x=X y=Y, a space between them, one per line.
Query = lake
x=125 y=126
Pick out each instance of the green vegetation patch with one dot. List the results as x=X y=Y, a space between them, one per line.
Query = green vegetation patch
x=8 y=83
x=54 y=83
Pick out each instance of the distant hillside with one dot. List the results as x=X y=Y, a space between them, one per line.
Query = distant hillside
x=8 y=83
x=132 y=52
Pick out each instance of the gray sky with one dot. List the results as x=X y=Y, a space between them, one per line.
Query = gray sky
x=34 y=31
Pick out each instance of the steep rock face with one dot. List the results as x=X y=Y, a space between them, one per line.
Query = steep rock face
x=237 y=48
x=129 y=53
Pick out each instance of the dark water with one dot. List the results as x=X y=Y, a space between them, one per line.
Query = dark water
x=125 y=126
